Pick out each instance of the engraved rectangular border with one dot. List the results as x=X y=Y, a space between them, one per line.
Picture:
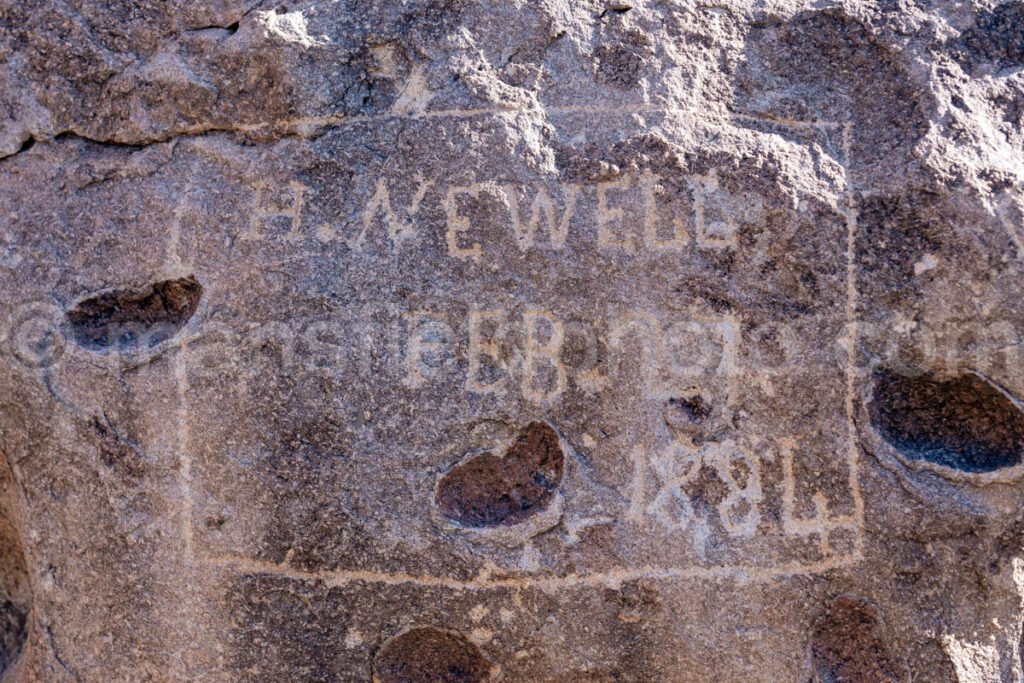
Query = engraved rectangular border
x=485 y=580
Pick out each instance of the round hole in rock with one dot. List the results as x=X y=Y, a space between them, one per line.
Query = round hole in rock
x=135 y=318
x=488 y=490
x=964 y=423
x=430 y=655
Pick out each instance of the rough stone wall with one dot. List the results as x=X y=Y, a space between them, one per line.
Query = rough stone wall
x=560 y=340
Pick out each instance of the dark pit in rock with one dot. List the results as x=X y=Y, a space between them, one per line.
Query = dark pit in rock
x=135 y=318
x=964 y=423
x=488 y=490
x=429 y=655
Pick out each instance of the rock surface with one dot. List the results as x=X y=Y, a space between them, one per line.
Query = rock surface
x=452 y=340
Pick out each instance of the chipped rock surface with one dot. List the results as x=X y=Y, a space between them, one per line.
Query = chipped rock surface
x=465 y=340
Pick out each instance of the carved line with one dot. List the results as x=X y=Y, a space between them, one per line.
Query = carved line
x=756 y=574
x=184 y=458
x=853 y=449
x=483 y=581
x=180 y=368
x=177 y=267
x=309 y=126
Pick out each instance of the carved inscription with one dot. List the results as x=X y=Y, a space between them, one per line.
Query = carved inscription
x=671 y=338
x=677 y=469
x=699 y=485
x=626 y=215
x=688 y=488
x=525 y=352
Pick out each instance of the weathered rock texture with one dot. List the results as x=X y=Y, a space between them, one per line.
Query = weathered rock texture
x=561 y=340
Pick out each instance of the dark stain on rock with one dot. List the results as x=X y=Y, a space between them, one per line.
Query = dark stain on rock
x=1005 y=547
x=311 y=455
x=829 y=65
x=13 y=620
x=117 y=452
x=282 y=626
x=997 y=37
x=1020 y=644
x=965 y=423
x=620 y=62
x=489 y=491
x=707 y=489
x=430 y=655
x=847 y=645
x=694 y=410
x=691 y=416
x=15 y=590
x=896 y=231
x=135 y=318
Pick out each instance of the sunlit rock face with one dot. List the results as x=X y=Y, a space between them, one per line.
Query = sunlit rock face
x=451 y=340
